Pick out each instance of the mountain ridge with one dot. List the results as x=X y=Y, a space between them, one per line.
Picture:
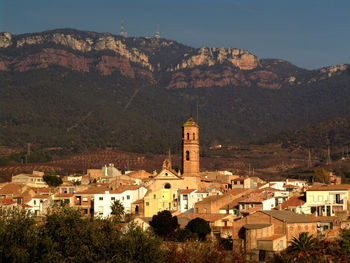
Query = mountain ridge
x=134 y=93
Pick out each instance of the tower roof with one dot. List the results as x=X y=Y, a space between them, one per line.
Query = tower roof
x=190 y=122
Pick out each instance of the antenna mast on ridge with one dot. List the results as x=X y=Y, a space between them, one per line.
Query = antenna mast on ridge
x=122 y=28
x=157 y=32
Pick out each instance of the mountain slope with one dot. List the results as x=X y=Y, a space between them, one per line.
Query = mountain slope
x=90 y=90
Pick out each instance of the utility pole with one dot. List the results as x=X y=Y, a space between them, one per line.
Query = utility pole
x=329 y=160
x=309 y=162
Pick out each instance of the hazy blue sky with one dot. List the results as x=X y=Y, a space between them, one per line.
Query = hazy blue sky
x=308 y=33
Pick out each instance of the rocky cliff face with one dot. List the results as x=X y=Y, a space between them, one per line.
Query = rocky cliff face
x=151 y=59
x=212 y=56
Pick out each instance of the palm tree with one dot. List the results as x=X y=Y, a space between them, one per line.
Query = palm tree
x=117 y=210
x=301 y=248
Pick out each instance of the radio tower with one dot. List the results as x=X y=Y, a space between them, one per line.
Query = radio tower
x=122 y=28
x=157 y=32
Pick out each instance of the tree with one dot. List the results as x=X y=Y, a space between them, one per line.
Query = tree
x=52 y=180
x=66 y=236
x=200 y=227
x=301 y=247
x=345 y=242
x=117 y=210
x=321 y=175
x=164 y=224
x=137 y=245
x=18 y=236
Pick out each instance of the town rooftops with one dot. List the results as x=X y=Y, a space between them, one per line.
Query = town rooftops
x=334 y=187
x=7 y=201
x=293 y=202
x=13 y=188
x=94 y=190
x=188 y=191
x=123 y=188
x=207 y=217
x=257 y=197
x=288 y=216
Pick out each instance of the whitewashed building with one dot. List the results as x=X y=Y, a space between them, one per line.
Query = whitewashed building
x=126 y=194
x=188 y=198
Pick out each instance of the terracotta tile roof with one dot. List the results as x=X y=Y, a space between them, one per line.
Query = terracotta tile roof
x=293 y=201
x=334 y=187
x=141 y=174
x=231 y=205
x=8 y=201
x=288 y=216
x=140 y=201
x=40 y=196
x=123 y=188
x=209 y=199
x=250 y=210
x=257 y=197
x=324 y=218
x=207 y=217
x=91 y=190
x=13 y=188
x=188 y=191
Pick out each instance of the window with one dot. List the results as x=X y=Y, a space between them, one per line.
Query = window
x=100 y=198
x=185 y=197
x=128 y=197
x=85 y=199
x=188 y=136
x=154 y=196
x=194 y=136
x=167 y=186
x=187 y=155
x=112 y=198
x=147 y=203
x=34 y=202
x=71 y=190
x=251 y=205
x=64 y=190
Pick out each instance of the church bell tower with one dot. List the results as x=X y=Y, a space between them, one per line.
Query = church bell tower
x=190 y=148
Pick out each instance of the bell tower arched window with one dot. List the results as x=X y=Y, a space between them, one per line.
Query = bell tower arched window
x=188 y=136
x=187 y=155
x=194 y=136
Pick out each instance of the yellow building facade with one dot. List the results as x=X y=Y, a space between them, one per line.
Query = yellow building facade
x=327 y=200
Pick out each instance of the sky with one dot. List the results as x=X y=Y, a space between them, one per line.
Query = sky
x=308 y=33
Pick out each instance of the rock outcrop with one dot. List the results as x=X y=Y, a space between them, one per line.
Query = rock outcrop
x=211 y=56
x=155 y=60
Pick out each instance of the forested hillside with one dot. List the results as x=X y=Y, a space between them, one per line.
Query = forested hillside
x=85 y=90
